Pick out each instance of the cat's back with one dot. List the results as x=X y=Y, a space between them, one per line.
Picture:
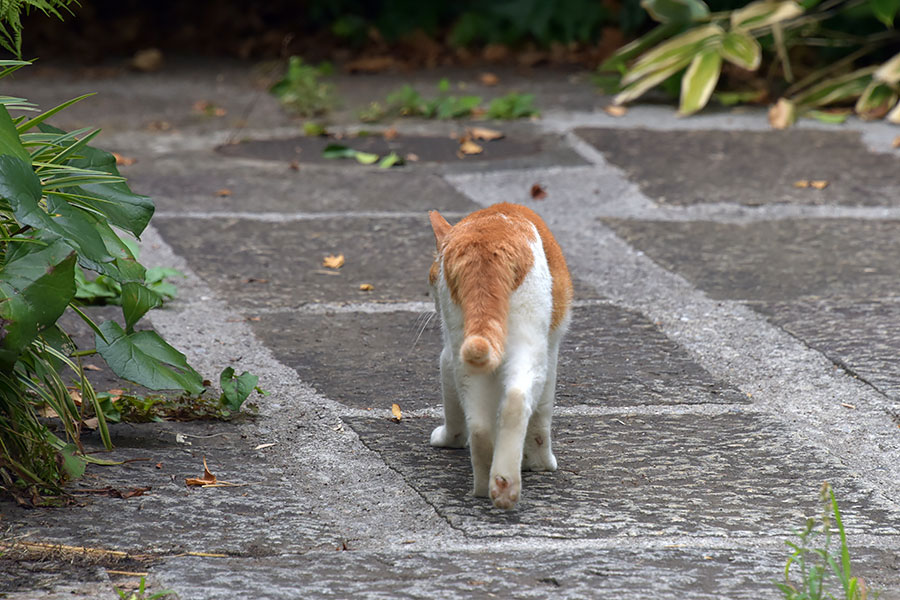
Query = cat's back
x=498 y=243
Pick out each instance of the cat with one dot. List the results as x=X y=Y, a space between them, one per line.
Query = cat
x=503 y=291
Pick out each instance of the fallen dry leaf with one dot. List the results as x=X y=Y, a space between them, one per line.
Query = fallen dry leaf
x=469 y=147
x=224 y=192
x=158 y=126
x=411 y=157
x=207 y=479
x=135 y=492
x=294 y=165
x=124 y=161
x=538 y=192
x=333 y=262
x=395 y=410
x=390 y=134
x=783 y=114
x=479 y=112
x=91 y=423
x=370 y=64
x=159 y=465
x=75 y=395
x=803 y=183
x=147 y=60
x=488 y=79
x=896 y=142
x=615 y=111
x=483 y=133
x=820 y=184
x=209 y=108
x=366 y=287
x=90 y=367
x=261 y=446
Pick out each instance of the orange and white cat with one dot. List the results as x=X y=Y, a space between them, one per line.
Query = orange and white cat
x=503 y=291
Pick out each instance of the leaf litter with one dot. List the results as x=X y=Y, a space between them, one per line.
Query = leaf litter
x=209 y=480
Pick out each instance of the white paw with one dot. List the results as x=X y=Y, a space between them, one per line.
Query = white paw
x=539 y=461
x=442 y=438
x=505 y=490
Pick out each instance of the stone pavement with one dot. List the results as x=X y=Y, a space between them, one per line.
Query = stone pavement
x=734 y=345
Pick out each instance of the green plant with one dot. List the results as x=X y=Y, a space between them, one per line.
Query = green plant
x=11 y=24
x=141 y=593
x=816 y=563
x=60 y=200
x=512 y=106
x=691 y=43
x=301 y=90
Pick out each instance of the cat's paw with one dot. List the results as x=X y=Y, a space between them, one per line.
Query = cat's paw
x=505 y=491
x=539 y=461
x=441 y=437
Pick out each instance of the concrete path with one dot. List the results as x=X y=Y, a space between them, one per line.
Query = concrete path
x=734 y=345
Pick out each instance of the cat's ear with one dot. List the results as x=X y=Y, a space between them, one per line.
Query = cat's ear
x=440 y=226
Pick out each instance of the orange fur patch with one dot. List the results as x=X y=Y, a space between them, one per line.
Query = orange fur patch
x=486 y=256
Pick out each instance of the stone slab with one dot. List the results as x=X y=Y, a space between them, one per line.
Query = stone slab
x=732 y=475
x=193 y=182
x=611 y=357
x=750 y=167
x=775 y=260
x=263 y=265
x=860 y=334
x=698 y=574
x=261 y=517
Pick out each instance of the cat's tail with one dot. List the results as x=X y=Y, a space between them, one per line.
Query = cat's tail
x=480 y=354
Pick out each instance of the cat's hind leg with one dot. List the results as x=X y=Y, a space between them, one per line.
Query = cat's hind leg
x=452 y=434
x=506 y=467
x=538 y=452
x=479 y=398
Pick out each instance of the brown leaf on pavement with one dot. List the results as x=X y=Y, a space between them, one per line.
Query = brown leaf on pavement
x=896 y=142
x=366 y=287
x=370 y=64
x=224 y=192
x=820 y=184
x=538 y=192
x=467 y=146
x=207 y=479
x=802 y=183
x=488 y=79
x=615 y=110
x=395 y=410
x=483 y=133
x=123 y=161
x=783 y=114
x=90 y=367
x=411 y=157
x=333 y=262
x=390 y=134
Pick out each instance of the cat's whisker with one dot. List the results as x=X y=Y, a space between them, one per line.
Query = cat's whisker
x=422 y=322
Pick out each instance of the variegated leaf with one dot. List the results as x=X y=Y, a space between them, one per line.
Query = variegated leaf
x=673 y=51
x=889 y=72
x=741 y=49
x=894 y=115
x=676 y=11
x=637 y=88
x=699 y=81
x=764 y=12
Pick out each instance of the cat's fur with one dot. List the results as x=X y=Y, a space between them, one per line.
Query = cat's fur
x=503 y=291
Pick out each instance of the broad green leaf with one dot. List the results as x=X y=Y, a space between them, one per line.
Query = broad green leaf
x=764 y=12
x=80 y=230
x=236 y=389
x=876 y=100
x=144 y=358
x=390 y=160
x=35 y=289
x=699 y=81
x=338 y=151
x=10 y=144
x=116 y=201
x=636 y=89
x=672 y=52
x=137 y=299
x=741 y=49
x=73 y=465
x=365 y=158
x=889 y=72
x=21 y=188
x=885 y=10
x=676 y=11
